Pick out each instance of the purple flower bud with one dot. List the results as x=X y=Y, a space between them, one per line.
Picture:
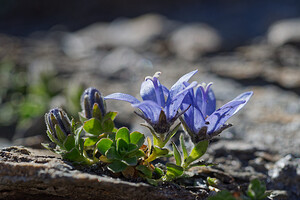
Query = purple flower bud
x=89 y=98
x=57 y=120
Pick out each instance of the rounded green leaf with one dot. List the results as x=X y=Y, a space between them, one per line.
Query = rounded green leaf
x=108 y=125
x=124 y=134
x=117 y=166
x=93 y=126
x=90 y=141
x=137 y=138
x=132 y=148
x=131 y=161
x=122 y=146
x=145 y=170
x=104 y=145
x=112 y=154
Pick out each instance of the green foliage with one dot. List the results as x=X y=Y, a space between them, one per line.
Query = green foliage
x=212 y=181
x=123 y=150
x=173 y=171
x=198 y=151
x=256 y=190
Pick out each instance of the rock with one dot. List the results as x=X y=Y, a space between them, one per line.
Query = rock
x=134 y=33
x=193 y=40
x=279 y=195
x=124 y=63
x=284 y=31
x=285 y=175
x=31 y=174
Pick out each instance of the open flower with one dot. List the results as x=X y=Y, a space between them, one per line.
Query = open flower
x=202 y=120
x=159 y=106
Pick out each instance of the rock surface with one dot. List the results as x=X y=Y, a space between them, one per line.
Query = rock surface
x=31 y=174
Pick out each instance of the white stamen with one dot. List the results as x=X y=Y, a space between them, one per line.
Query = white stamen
x=156 y=75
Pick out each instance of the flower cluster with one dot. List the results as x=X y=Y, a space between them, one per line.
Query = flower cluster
x=96 y=139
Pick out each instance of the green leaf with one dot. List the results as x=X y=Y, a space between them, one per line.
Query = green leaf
x=212 y=181
x=124 y=134
x=198 y=151
x=160 y=151
x=111 y=136
x=131 y=148
x=117 y=166
x=176 y=154
x=97 y=112
x=93 y=126
x=131 y=161
x=122 y=146
x=137 y=138
x=223 y=195
x=110 y=115
x=79 y=143
x=145 y=170
x=73 y=155
x=82 y=117
x=202 y=163
x=103 y=145
x=90 y=141
x=159 y=171
x=48 y=146
x=139 y=153
x=69 y=143
x=174 y=171
x=112 y=154
x=59 y=133
x=50 y=136
x=108 y=125
x=183 y=147
x=152 y=181
x=257 y=190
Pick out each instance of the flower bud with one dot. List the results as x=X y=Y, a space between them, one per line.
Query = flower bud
x=58 y=124
x=92 y=104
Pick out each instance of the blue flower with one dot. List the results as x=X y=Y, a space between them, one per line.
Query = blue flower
x=159 y=107
x=202 y=120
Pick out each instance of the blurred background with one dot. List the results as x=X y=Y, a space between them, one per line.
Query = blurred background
x=50 y=51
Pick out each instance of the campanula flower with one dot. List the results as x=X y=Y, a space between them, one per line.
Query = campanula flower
x=159 y=107
x=58 y=124
x=91 y=102
x=202 y=120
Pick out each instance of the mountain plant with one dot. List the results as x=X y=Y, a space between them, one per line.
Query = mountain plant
x=95 y=139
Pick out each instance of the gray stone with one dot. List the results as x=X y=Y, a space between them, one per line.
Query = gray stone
x=284 y=31
x=31 y=174
x=193 y=40
x=285 y=175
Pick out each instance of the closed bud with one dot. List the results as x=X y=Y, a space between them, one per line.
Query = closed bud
x=58 y=124
x=92 y=104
